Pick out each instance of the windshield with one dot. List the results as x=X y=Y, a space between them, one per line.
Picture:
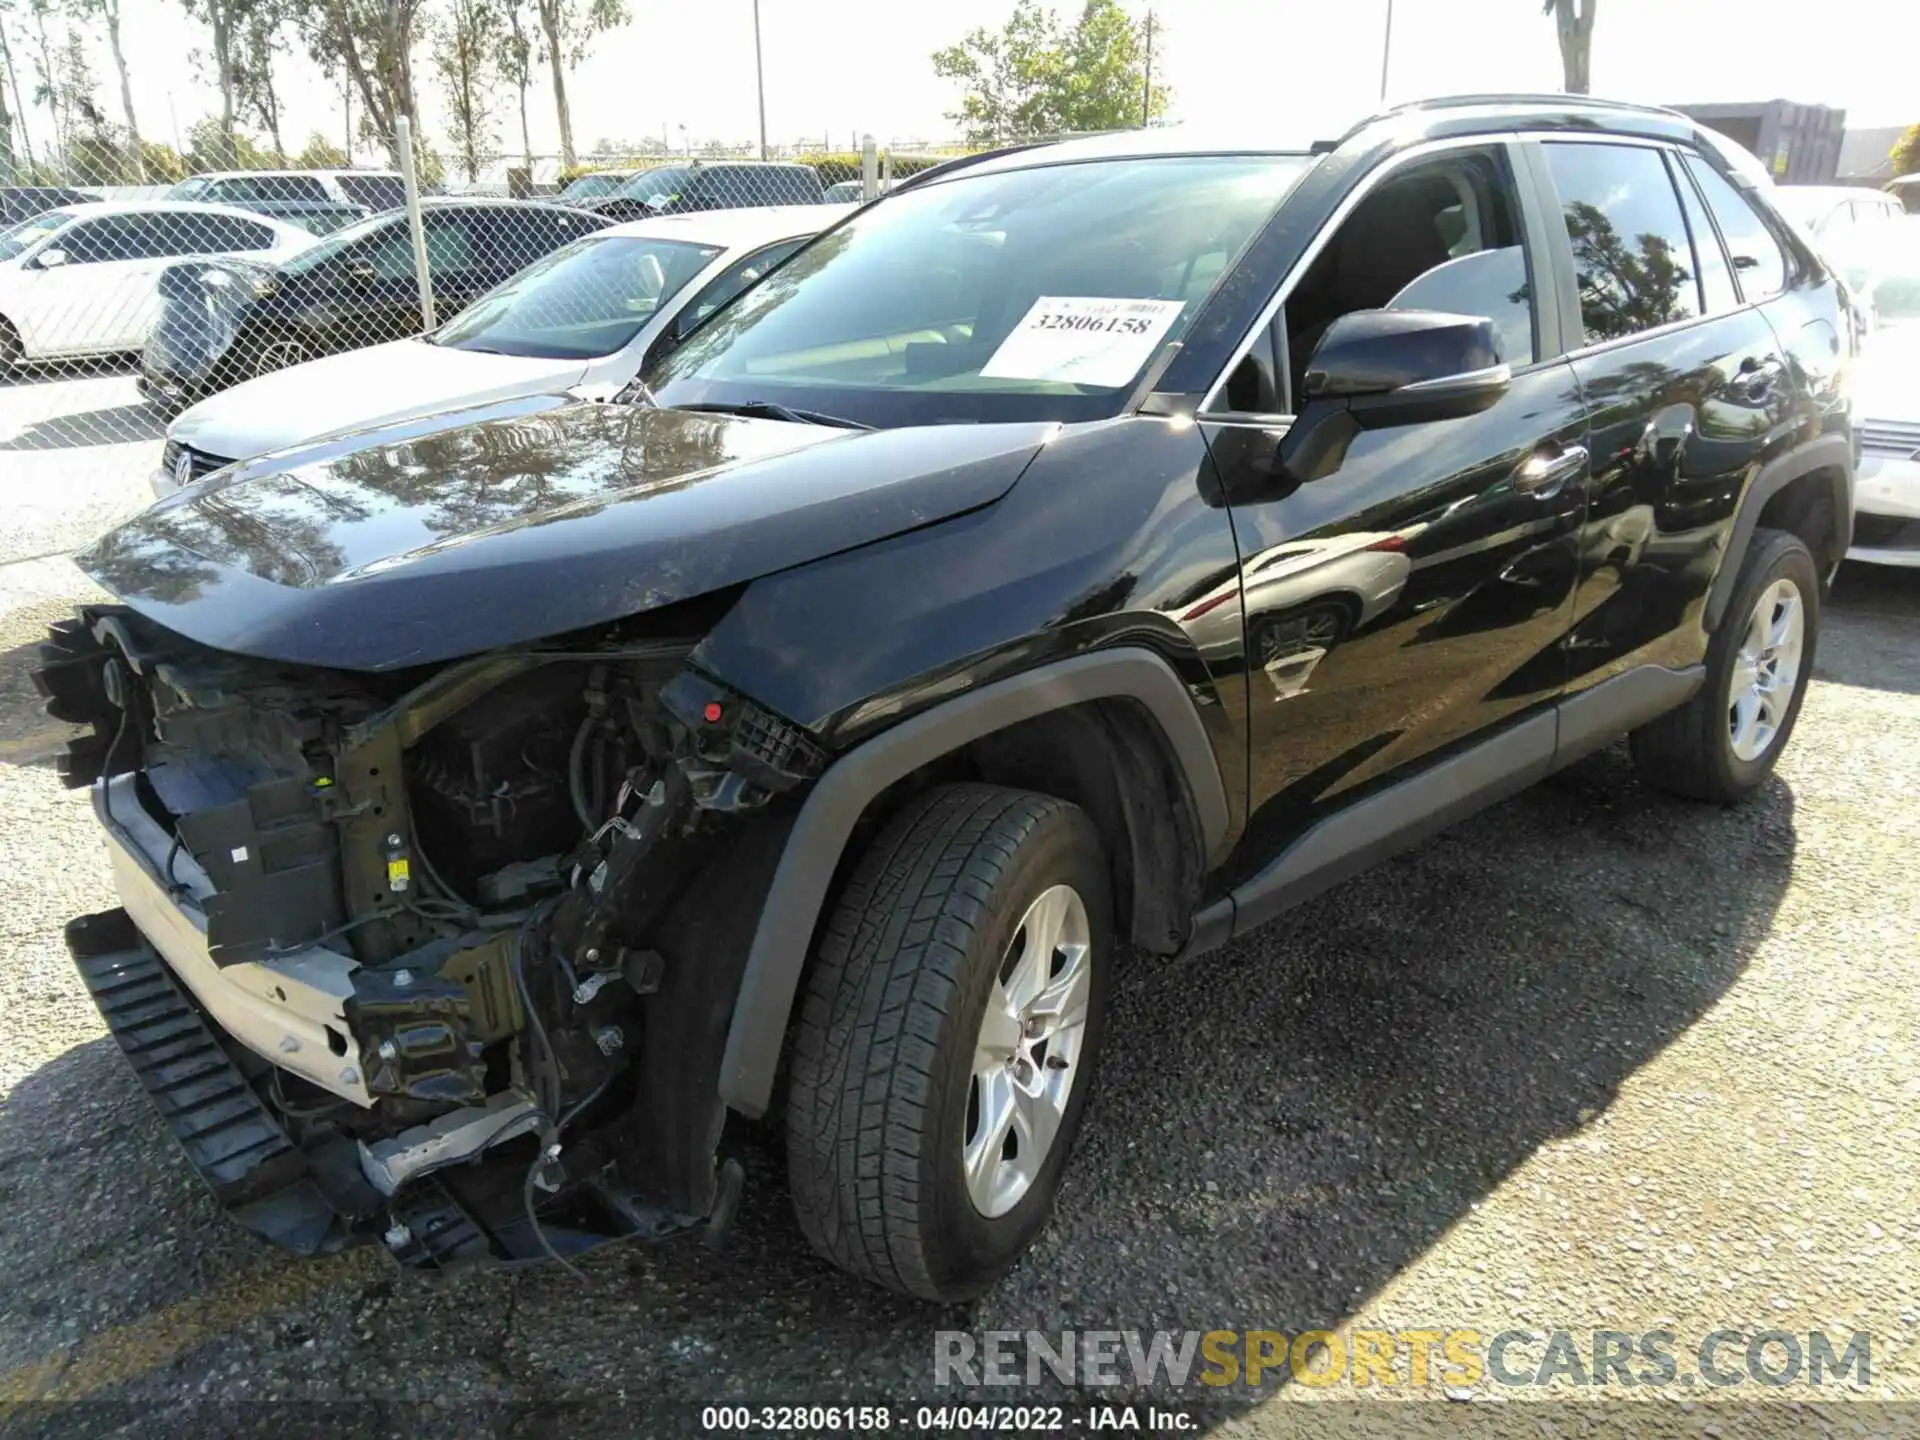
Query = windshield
x=339 y=240
x=1036 y=294
x=666 y=182
x=587 y=187
x=585 y=300
x=30 y=232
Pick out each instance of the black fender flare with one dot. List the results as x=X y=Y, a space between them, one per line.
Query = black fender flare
x=1832 y=453
x=841 y=795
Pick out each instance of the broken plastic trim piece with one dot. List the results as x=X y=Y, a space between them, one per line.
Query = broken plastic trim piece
x=462 y=1134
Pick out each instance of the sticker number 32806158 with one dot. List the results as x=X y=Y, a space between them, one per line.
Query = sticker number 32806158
x=1082 y=340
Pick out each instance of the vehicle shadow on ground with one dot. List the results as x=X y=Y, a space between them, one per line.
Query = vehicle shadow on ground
x=28 y=735
x=1280 y=1128
x=115 y=425
x=1875 y=648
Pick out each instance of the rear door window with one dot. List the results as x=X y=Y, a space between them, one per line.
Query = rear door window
x=520 y=236
x=1632 y=257
x=111 y=238
x=451 y=249
x=285 y=187
x=375 y=192
x=189 y=232
x=1759 y=262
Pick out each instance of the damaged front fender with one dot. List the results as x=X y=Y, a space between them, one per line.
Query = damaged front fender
x=471 y=937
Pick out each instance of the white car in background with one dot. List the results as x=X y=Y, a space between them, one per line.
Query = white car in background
x=1836 y=214
x=584 y=318
x=83 y=280
x=1885 y=278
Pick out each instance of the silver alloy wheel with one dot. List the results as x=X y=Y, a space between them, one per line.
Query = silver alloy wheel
x=1322 y=629
x=1028 y=1052
x=279 y=355
x=1766 y=670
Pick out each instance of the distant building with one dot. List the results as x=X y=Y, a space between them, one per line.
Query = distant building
x=1799 y=144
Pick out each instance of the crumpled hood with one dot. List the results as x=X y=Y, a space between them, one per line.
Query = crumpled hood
x=442 y=537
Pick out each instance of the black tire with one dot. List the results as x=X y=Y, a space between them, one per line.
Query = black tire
x=1690 y=751
x=10 y=347
x=878 y=1107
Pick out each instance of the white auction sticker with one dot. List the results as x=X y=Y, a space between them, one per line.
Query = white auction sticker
x=1083 y=340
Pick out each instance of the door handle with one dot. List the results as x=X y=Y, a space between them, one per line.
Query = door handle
x=1543 y=475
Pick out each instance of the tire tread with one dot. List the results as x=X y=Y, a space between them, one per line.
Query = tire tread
x=1678 y=751
x=880 y=992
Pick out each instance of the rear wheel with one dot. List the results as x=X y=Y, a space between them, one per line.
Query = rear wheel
x=943 y=1053
x=11 y=350
x=1722 y=744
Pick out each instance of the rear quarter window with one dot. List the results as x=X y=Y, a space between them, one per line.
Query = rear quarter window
x=1759 y=262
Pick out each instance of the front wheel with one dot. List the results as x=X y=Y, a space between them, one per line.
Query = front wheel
x=1722 y=744
x=944 y=1049
x=280 y=355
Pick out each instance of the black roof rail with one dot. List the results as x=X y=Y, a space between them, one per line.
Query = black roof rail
x=1514 y=97
x=1529 y=97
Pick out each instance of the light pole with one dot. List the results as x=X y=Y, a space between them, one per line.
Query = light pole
x=1146 y=86
x=1386 y=51
x=760 y=79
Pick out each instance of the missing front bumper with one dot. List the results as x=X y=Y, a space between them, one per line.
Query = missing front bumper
x=202 y=1039
x=291 y=1010
x=239 y=1147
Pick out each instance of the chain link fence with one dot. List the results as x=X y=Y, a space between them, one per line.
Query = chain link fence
x=123 y=306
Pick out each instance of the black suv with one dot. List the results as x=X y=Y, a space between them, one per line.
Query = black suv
x=227 y=321
x=1099 y=546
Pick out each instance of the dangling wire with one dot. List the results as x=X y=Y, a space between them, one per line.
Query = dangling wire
x=549 y=1071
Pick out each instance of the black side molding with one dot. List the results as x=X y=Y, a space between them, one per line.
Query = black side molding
x=841 y=795
x=1832 y=453
x=1403 y=814
x=1595 y=717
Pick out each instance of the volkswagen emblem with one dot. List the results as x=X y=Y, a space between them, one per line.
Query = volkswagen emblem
x=183 y=470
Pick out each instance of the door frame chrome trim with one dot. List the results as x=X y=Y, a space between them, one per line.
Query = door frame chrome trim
x=1528 y=167
x=1426 y=150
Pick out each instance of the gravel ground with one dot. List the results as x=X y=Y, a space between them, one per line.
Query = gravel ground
x=1594 y=1059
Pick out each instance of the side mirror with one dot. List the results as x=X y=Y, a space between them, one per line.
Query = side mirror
x=1379 y=368
x=52 y=259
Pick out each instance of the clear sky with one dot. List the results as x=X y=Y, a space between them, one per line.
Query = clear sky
x=838 y=67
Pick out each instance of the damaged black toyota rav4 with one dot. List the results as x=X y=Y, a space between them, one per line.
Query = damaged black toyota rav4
x=1085 y=551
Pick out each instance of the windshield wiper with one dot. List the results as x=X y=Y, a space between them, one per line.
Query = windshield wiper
x=772 y=410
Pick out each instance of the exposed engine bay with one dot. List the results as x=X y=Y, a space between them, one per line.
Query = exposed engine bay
x=467 y=936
